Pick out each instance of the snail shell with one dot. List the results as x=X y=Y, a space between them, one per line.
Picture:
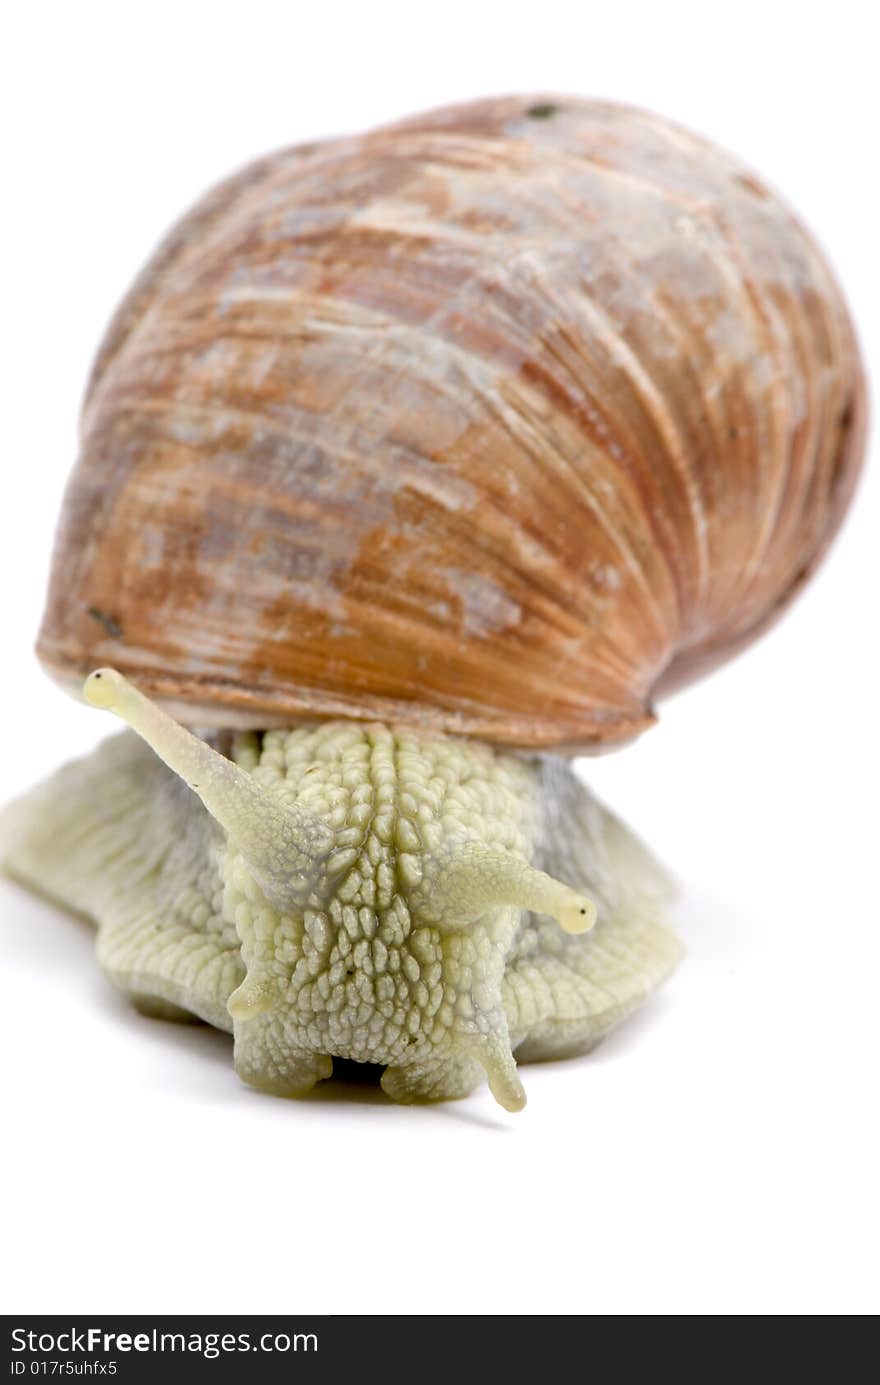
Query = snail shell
x=493 y=423
x=496 y=422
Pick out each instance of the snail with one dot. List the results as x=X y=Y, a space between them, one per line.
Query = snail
x=412 y=466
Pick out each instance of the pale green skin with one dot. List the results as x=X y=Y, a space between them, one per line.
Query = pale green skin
x=361 y=892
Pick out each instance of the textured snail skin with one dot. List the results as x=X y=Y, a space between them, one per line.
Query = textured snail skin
x=496 y=422
x=490 y=424
x=389 y=960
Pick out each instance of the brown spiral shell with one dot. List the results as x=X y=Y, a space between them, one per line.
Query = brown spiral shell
x=495 y=421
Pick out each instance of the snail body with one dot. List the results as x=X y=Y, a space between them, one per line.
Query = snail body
x=411 y=916
x=411 y=464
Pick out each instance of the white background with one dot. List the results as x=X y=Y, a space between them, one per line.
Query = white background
x=719 y=1154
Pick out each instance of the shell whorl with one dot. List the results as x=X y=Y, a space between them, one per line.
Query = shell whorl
x=496 y=421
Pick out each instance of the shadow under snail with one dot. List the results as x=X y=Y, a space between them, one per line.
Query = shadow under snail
x=412 y=465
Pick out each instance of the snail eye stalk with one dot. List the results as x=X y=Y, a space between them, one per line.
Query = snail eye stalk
x=283 y=846
x=470 y=878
